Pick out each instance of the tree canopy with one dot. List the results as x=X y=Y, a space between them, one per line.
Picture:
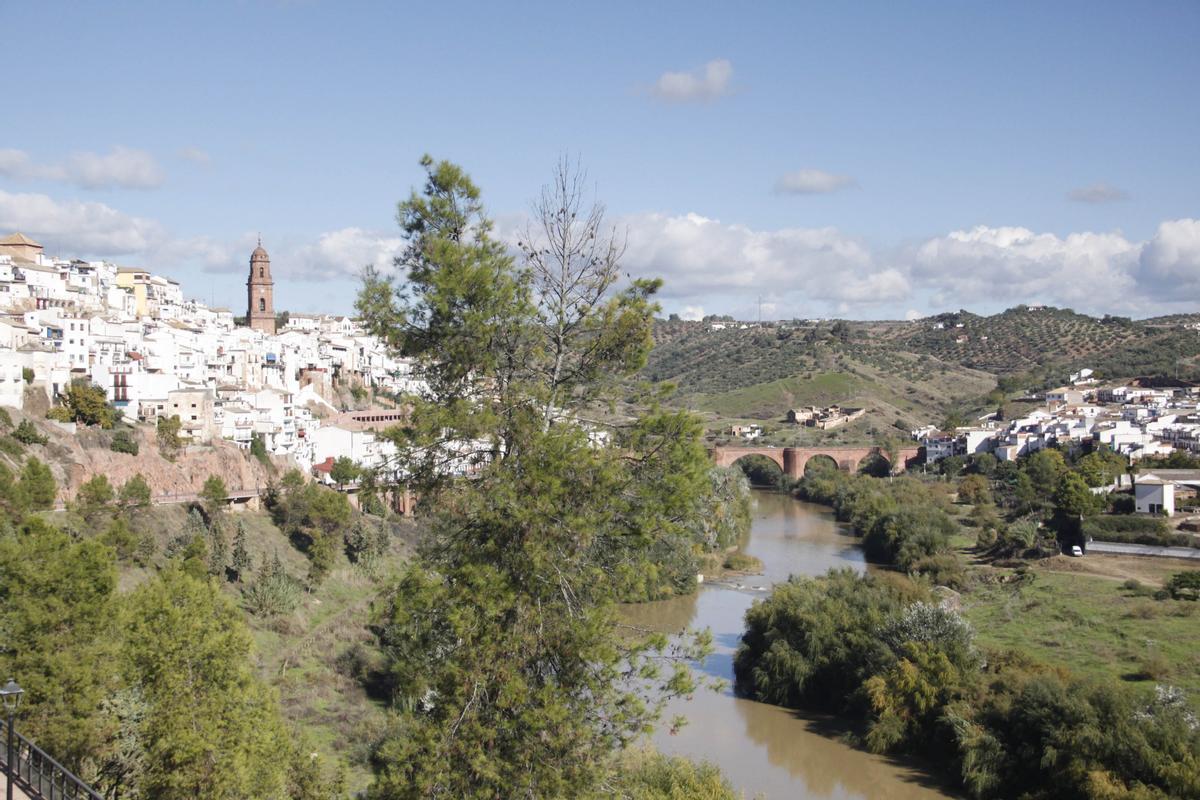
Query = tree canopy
x=507 y=674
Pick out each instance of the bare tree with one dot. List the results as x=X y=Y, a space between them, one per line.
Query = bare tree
x=573 y=260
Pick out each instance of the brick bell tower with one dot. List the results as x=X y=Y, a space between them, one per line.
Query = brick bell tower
x=260 y=290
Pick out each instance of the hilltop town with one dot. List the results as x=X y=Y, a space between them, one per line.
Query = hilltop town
x=295 y=384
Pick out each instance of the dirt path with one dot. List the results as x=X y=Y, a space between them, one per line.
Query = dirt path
x=1147 y=569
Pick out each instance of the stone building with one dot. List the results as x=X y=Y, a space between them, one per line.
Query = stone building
x=260 y=290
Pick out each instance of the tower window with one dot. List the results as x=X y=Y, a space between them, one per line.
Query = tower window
x=260 y=272
x=262 y=304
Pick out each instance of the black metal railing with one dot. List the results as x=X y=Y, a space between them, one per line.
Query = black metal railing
x=39 y=775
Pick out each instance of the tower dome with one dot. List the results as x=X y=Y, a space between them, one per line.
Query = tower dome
x=259 y=254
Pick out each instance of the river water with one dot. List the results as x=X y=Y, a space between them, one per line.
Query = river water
x=764 y=750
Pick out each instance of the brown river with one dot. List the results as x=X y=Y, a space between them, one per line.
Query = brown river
x=764 y=750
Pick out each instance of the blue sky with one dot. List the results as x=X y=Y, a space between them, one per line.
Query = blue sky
x=838 y=159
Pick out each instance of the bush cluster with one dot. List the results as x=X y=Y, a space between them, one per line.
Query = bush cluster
x=902 y=522
x=124 y=442
x=876 y=648
x=1135 y=530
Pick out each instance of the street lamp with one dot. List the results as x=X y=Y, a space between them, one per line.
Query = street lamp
x=10 y=693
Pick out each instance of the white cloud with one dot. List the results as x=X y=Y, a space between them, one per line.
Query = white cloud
x=122 y=167
x=1015 y=265
x=702 y=85
x=706 y=262
x=707 y=265
x=912 y=314
x=812 y=181
x=195 y=155
x=343 y=254
x=693 y=313
x=74 y=227
x=80 y=229
x=812 y=271
x=1097 y=193
x=1169 y=266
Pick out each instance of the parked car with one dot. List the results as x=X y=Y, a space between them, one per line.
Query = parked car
x=1076 y=551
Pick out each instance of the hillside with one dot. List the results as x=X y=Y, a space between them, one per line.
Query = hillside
x=907 y=372
x=318 y=656
x=760 y=373
x=1025 y=339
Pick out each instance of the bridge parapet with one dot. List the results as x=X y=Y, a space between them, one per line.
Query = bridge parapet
x=793 y=460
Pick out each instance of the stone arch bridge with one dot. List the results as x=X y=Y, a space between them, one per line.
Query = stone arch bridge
x=792 y=460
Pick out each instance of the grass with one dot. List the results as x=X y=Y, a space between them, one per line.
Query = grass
x=1092 y=625
x=774 y=398
x=306 y=655
x=742 y=562
x=300 y=656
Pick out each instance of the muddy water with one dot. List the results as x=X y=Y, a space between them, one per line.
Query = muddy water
x=765 y=750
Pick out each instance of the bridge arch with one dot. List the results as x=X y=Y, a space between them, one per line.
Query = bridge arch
x=728 y=456
x=817 y=461
x=761 y=470
x=875 y=464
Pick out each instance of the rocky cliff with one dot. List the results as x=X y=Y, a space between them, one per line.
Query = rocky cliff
x=76 y=458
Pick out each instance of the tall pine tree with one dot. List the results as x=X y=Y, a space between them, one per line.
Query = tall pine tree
x=511 y=680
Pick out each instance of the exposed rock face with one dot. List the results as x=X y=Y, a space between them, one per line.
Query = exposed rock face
x=77 y=459
x=36 y=401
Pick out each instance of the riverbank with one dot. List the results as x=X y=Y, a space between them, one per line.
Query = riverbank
x=766 y=750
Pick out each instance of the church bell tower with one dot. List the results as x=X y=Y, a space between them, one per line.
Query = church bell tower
x=260 y=289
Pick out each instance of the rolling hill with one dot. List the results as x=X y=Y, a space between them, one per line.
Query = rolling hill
x=908 y=372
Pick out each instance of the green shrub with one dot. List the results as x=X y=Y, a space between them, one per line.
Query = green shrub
x=124 y=442
x=815 y=640
x=741 y=562
x=1185 y=585
x=5 y=418
x=258 y=449
x=653 y=776
x=121 y=539
x=1133 y=530
x=1121 y=503
x=943 y=569
x=1154 y=667
x=27 y=433
x=11 y=447
x=87 y=404
x=273 y=592
x=986 y=538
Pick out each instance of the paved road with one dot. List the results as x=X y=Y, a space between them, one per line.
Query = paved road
x=1144 y=550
